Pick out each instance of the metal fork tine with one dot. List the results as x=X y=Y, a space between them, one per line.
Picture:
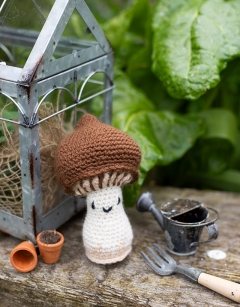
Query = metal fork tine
x=154 y=267
x=158 y=259
x=168 y=258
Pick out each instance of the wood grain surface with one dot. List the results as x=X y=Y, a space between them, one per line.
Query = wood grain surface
x=75 y=281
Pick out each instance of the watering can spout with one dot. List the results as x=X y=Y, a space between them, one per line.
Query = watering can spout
x=146 y=203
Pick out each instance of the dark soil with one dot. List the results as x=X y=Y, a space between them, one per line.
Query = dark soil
x=50 y=237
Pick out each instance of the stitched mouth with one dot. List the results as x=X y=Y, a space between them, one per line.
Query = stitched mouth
x=107 y=210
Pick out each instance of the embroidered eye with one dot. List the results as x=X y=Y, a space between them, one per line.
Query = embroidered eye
x=93 y=206
x=118 y=201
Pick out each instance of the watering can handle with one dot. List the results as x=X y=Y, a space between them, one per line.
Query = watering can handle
x=213 y=234
x=212 y=231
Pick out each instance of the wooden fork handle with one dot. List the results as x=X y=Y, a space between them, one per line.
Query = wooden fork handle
x=224 y=287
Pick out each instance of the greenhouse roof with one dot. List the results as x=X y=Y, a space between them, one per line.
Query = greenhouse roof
x=49 y=36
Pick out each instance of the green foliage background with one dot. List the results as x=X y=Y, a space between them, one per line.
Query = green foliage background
x=177 y=88
x=177 y=78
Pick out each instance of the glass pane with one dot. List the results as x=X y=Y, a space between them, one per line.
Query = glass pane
x=20 y=24
x=10 y=168
x=24 y=14
x=77 y=28
x=76 y=36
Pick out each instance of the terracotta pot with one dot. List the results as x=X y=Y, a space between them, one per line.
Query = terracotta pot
x=50 y=253
x=24 y=257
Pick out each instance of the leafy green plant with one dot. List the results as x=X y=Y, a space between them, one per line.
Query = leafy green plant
x=177 y=78
x=193 y=41
x=177 y=90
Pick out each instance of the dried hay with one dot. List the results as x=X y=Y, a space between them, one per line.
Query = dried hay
x=51 y=132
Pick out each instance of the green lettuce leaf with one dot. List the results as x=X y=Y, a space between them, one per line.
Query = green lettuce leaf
x=213 y=152
x=193 y=41
x=162 y=136
x=129 y=31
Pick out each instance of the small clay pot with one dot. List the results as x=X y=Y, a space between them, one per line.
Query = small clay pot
x=50 y=253
x=24 y=257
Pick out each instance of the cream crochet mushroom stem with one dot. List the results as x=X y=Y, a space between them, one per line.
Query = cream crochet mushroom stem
x=107 y=233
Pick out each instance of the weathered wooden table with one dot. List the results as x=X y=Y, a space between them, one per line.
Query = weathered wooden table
x=75 y=281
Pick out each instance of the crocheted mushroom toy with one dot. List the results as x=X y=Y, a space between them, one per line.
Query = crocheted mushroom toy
x=95 y=161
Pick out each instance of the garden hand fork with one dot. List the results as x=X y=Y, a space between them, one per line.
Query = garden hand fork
x=164 y=264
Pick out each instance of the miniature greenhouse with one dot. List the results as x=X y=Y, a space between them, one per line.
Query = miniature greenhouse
x=53 y=58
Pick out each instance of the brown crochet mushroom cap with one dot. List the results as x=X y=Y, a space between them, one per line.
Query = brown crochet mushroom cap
x=93 y=153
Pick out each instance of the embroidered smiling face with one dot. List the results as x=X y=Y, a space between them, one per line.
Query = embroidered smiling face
x=106 y=201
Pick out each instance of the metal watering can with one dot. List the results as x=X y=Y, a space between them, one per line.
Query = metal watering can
x=182 y=221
